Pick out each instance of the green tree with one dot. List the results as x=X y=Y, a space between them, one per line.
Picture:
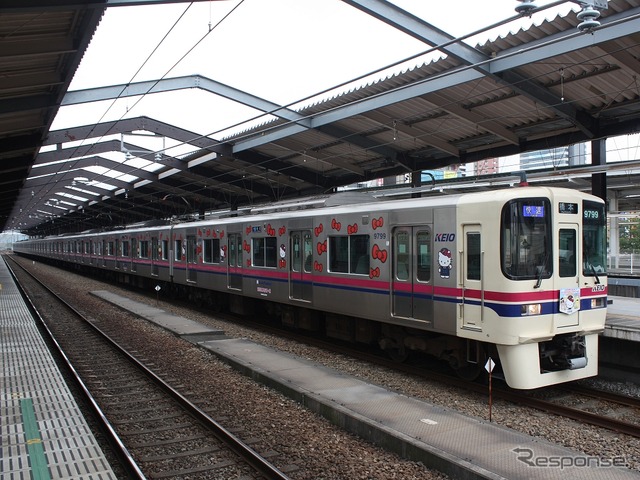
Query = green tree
x=629 y=235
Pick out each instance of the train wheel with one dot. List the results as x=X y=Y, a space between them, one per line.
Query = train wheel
x=471 y=371
x=399 y=355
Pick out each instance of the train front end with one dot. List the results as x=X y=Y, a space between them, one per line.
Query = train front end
x=544 y=305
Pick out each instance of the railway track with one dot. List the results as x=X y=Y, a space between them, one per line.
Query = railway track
x=412 y=370
x=553 y=403
x=157 y=431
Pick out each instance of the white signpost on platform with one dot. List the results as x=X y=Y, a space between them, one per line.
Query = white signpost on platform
x=489 y=368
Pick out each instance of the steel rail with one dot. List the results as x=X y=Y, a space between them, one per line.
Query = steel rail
x=252 y=458
x=118 y=447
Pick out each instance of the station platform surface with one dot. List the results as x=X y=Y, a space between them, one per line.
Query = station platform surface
x=623 y=318
x=44 y=433
x=461 y=446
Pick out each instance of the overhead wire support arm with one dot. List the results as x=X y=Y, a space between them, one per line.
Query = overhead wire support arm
x=473 y=58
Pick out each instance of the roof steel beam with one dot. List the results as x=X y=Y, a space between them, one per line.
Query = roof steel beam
x=50 y=174
x=223 y=181
x=16 y=47
x=623 y=57
x=27 y=103
x=30 y=80
x=60 y=137
x=139 y=123
x=504 y=61
x=15 y=6
x=181 y=83
x=423 y=31
x=489 y=125
x=406 y=129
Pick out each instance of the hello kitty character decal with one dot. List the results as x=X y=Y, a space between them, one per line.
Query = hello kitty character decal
x=569 y=300
x=445 y=262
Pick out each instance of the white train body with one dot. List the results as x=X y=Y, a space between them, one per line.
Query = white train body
x=517 y=275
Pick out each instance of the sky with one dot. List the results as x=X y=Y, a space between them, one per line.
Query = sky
x=283 y=51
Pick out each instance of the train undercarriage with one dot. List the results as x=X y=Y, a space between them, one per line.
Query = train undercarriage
x=466 y=357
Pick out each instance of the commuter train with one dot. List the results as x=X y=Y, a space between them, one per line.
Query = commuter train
x=516 y=277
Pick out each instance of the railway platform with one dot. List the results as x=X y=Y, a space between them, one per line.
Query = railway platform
x=461 y=446
x=619 y=353
x=44 y=433
x=623 y=318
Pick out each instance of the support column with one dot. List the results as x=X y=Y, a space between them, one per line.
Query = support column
x=416 y=182
x=599 y=157
x=614 y=233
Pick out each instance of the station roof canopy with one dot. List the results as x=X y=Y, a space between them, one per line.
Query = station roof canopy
x=551 y=85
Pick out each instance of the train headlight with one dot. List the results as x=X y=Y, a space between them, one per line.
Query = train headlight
x=531 y=309
x=597 y=302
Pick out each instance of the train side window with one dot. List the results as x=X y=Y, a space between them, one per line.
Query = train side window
x=264 y=252
x=473 y=256
x=307 y=246
x=271 y=252
x=423 y=251
x=144 y=248
x=594 y=239
x=165 y=249
x=233 y=255
x=567 y=253
x=211 y=250
x=349 y=254
x=177 y=255
x=402 y=248
x=192 y=245
x=339 y=254
x=125 y=248
x=359 y=256
x=155 y=250
x=296 y=252
x=257 y=250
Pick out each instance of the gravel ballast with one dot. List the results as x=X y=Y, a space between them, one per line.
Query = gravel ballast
x=320 y=449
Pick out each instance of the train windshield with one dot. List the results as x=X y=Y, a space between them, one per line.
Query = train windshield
x=526 y=239
x=594 y=239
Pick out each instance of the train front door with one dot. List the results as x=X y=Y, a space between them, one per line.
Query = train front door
x=301 y=265
x=234 y=262
x=155 y=256
x=411 y=283
x=134 y=254
x=568 y=283
x=192 y=258
x=472 y=273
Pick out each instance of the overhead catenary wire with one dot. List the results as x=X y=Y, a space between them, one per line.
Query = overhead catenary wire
x=151 y=54
x=328 y=158
x=258 y=164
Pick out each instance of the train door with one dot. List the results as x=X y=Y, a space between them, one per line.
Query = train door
x=301 y=265
x=192 y=258
x=134 y=254
x=154 y=256
x=472 y=278
x=412 y=286
x=118 y=254
x=568 y=278
x=234 y=263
